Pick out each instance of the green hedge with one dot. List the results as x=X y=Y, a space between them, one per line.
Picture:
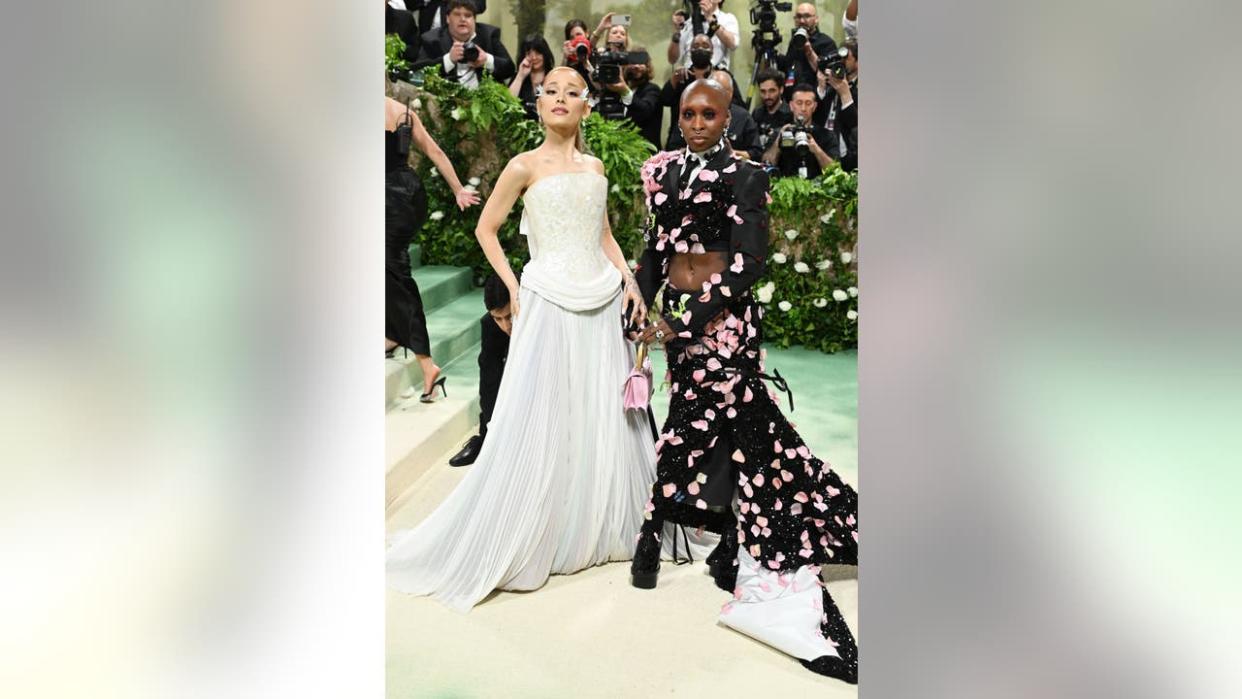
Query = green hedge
x=482 y=129
x=822 y=215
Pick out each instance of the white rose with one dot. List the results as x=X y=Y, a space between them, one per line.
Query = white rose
x=846 y=257
x=801 y=267
x=853 y=291
x=839 y=295
x=433 y=172
x=784 y=306
x=458 y=114
x=823 y=264
x=436 y=215
x=851 y=314
x=417 y=103
x=764 y=293
x=474 y=181
x=820 y=302
x=826 y=217
x=791 y=234
x=779 y=258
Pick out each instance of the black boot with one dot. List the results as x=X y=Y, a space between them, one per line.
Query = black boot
x=722 y=563
x=845 y=667
x=645 y=568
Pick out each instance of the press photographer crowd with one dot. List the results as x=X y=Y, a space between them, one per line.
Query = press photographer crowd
x=797 y=114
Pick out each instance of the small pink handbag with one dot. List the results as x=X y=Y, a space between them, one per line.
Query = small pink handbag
x=638 y=383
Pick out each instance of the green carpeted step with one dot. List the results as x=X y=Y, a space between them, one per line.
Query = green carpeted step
x=454 y=331
x=440 y=285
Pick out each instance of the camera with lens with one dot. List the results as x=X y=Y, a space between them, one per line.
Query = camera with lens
x=799 y=39
x=469 y=52
x=609 y=66
x=581 y=50
x=765 y=35
x=797 y=136
x=834 y=63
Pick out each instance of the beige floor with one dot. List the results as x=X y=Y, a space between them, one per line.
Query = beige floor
x=588 y=635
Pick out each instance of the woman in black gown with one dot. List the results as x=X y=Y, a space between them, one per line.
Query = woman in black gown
x=405 y=210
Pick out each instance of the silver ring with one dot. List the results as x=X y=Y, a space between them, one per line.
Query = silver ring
x=659 y=334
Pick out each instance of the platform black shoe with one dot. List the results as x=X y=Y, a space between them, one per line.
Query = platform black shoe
x=645 y=568
x=722 y=563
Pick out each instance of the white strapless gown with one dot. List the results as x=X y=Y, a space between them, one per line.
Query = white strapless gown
x=565 y=472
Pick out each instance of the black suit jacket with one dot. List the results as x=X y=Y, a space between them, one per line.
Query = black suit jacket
x=835 y=120
x=428 y=10
x=745 y=185
x=401 y=23
x=435 y=44
x=646 y=113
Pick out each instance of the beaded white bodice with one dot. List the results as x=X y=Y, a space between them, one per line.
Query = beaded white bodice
x=563 y=221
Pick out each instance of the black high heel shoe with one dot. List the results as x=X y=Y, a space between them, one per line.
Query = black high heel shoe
x=429 y=396
x=392 y=353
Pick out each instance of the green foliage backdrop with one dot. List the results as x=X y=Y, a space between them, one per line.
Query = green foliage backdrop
x=810 y=288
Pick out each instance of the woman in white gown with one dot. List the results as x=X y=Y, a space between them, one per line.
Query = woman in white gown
x=562 y=479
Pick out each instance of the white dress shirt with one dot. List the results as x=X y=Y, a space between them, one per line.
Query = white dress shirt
x=466 y=74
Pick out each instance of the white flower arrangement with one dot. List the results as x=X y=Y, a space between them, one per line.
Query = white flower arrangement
x=823 y=264
x=840 y=295
x=853 y=291
x=791 y=234
x=436 y=215
x=764 y=293
x=779 y=258
x=785 y=306
x=820 y=302
x=847 y=257
x=801 y=267
x=475 y=182
x=851 y=314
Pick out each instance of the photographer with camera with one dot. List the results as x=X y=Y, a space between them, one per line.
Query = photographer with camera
x=700 y=66
x=707 y=18
x=612 y=66
x=464 y=47
x=806 y=47
x=639 y=97
x=799 y=148
x=536 y=62
x=838 y=111
x=773 y=112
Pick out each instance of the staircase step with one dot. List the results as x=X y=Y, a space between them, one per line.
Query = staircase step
x=417 y=435
x=454 y=331
x=439 y=285
x=416 y=255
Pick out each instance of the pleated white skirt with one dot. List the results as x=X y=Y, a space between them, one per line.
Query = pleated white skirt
x=563 y=476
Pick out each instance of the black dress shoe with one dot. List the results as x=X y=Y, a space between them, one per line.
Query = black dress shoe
x=645 y=568
x=468 y=453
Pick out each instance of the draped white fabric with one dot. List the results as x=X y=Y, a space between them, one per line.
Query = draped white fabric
x=783 y=610
x=562 y=478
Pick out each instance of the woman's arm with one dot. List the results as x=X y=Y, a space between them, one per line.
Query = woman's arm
x=612 y=250
x=512 y=181
x=432 y=150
